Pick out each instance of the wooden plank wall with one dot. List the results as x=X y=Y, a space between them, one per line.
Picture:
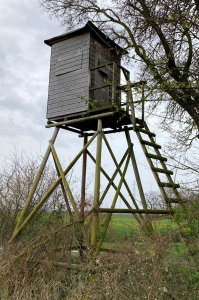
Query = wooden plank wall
x=68 y=77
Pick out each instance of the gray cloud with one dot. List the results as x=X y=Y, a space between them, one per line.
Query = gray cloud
x=24 y=73
x=24 y=67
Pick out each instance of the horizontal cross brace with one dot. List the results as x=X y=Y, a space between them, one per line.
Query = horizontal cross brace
x=101 y=66
x=80 y=120
x=122 y=68
x=176 y=200
x=137 y=211
x=100 y=87
x=108 y=131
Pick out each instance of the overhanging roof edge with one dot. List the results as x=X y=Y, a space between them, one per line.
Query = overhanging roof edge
x=89 y=27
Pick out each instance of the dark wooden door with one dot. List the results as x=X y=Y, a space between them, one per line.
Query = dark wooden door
x=102 y=96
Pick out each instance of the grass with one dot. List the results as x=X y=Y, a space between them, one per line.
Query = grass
x=125 y=227
x=143 y=268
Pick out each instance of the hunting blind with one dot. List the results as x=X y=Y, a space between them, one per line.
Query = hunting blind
x=78 y=85
x=85 y=97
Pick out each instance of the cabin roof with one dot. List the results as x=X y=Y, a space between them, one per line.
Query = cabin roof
x=89 y=27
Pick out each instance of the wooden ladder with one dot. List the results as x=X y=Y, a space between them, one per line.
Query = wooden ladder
x=157 y=156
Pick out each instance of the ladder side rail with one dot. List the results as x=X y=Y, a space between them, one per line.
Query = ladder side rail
x=163 y=165
x=154 y=173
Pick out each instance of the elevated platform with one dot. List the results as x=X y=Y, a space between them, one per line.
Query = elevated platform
x=111 y=119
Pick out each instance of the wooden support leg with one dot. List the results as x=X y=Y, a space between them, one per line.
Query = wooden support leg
x=83 y=187
x=36 y=181
x=51 y=190
x=95 y=222
x=76 y=211
x=83 y=191
x=114 y=202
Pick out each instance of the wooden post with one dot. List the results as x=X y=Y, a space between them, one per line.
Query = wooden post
x=127 y=76
x=83 y=189
x=36 y=181
x=130 y=95
x=52 y=188
x=95 y=222
x=70 y=195
x=114 y=83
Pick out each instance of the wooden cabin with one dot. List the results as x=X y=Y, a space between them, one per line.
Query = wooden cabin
x=75 y=88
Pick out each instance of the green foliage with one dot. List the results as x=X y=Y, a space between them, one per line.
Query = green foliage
x=4 y=295
x=189 y=219
x=195 y=279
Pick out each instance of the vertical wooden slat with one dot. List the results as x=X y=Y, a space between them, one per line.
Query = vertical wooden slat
x=114 y=83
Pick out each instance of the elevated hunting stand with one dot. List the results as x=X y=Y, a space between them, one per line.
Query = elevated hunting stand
x=85 y=98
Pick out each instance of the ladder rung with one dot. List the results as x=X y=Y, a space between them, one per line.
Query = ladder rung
x=176 y=200
x=150 y=144
x=162 y=171
x=169 y=185
x=156 y=157
x=145 y=131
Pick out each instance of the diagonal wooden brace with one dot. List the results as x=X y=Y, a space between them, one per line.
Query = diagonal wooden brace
x=114 y=185
x=66 y=185
x=116 y=164
x=36 y=181
x=64 y=194
x=114 y=201
x=52 y=188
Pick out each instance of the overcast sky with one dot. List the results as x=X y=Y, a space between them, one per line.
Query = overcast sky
x=24 y=71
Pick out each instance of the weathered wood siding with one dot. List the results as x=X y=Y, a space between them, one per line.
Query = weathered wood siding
x=68 y=76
